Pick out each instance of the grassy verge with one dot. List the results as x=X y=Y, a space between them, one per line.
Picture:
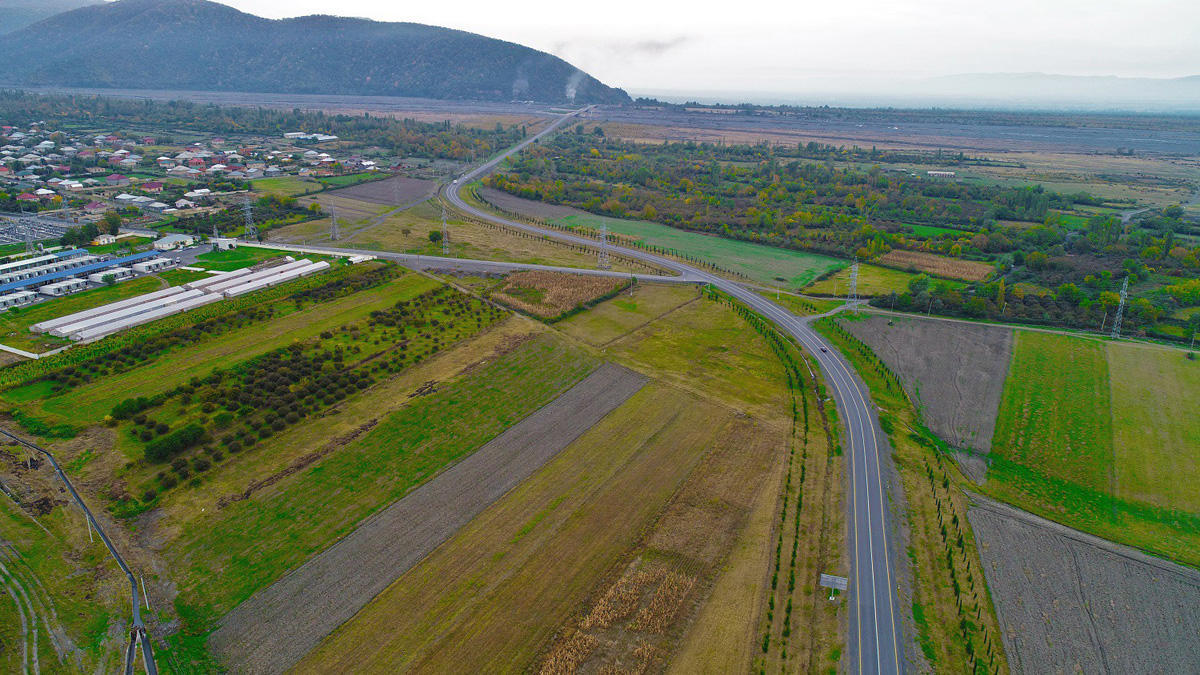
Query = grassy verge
x=621 y=315
x=952 y=608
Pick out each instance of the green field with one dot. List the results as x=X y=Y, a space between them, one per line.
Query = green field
x=1156 y=426
x=617 y=317
x=933 y=231
x=334 y=182
x=242 y=256
x=872 y=280
x=287 y=186
x=1054 y=411
x=764 y=264
x=223 y=559
x=1102 y=437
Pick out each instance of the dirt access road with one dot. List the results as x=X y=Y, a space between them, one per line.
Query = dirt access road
x=276 y=627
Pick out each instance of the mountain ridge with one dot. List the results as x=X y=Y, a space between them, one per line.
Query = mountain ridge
x=204 y=45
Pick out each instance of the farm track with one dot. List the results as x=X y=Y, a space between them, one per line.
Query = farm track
x=275 y=628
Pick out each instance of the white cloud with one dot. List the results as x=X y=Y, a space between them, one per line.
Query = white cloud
x=782 y=45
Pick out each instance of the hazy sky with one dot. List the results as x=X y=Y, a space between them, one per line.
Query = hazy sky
x=780 y=45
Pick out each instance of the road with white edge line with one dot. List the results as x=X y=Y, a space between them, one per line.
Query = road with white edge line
x=876 y=643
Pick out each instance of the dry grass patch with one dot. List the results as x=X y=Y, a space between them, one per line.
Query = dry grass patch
x=551 y=295
x=931 y=263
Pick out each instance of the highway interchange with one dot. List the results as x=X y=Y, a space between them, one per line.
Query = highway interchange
x=875 y=640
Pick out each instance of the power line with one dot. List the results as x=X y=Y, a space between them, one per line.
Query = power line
x=852 y=298
x=251 y=228
x=445 y=235
x=602 y=257
x=1116 y=331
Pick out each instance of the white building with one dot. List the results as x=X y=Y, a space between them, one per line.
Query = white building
x=173 y=241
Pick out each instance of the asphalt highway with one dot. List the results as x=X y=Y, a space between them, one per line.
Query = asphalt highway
x=875 y=640
x=876 y=644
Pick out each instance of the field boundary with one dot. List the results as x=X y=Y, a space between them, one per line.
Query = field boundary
x=1126 y=551
x=274 y=628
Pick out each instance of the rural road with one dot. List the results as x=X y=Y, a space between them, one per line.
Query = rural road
x=876 y=643
x=876 y=634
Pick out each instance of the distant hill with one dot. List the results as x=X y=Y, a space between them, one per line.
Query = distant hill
x=17 y=14
x=196 y=44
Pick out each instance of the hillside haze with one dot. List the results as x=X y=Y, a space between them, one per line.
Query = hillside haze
x=196 y=44
x=16 y=14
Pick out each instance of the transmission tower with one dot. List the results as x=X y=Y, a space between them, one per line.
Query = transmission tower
x=602 y=259
x=251 y=228
x=445 y=235
x=28 y=237
x=333 y=226
x=1116 y=331
x=215 y=233
x=852 y=297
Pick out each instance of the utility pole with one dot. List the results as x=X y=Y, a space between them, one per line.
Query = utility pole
x=1116 y=331
x=445 y=235
x=852 y=298
x=602 y=258
x=251 y=229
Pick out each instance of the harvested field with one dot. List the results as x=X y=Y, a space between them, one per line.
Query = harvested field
x=275 y=628
x=393 y=191
x=549 y=295
x=617 y=317
x=954 y=372
x=636 y=621
x=930 y=263
x=491 y=598
x=1070 y=602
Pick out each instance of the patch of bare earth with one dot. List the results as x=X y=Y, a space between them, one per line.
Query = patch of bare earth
x=275 y=627
x=1071 y=602
x=552 y=294
x=953 y=371
x=389 y=191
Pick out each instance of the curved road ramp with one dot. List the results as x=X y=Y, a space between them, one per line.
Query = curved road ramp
x=273 y=629
x=1069 y=602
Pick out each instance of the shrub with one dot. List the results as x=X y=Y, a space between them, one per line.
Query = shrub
x=174 y=442
x=149 y=495
x=129 y=407
x=168 y=481
x=201 y=464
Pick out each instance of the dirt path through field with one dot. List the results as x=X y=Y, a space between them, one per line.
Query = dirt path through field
x=273 y=629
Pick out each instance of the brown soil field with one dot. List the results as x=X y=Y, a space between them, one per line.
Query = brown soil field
x=552 y=294
x=393 y=191
x=277 y=626
x=1070 y=602
x=951 y=268
x=953 y=371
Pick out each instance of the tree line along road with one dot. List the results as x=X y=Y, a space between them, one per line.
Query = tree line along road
x=876 y=643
